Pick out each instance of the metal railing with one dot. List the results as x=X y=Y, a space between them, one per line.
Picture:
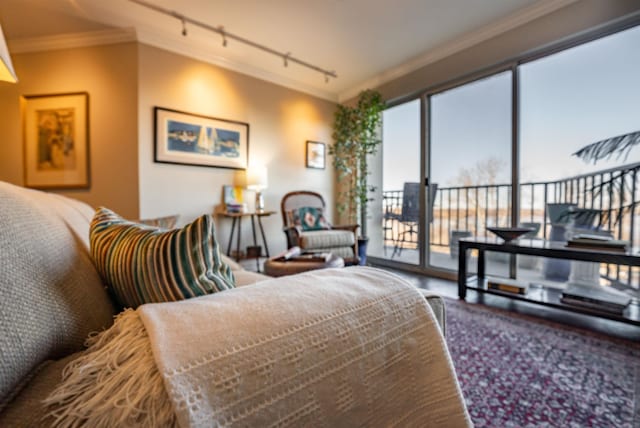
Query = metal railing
x=612 y=193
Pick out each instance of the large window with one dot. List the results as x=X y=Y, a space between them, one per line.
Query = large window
x=576 y=97
x=566 y=101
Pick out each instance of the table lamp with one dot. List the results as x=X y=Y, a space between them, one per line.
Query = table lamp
x=6 y=67
x=257 y=180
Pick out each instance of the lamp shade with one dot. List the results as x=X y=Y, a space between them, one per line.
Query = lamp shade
x=257 y=178
x=6 y=67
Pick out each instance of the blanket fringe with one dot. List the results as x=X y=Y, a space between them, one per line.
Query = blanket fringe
x=118 y=363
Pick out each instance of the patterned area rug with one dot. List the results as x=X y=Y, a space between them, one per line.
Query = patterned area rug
x=521 y=371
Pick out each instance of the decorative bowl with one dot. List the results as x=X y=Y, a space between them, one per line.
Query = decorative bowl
x=509 y=233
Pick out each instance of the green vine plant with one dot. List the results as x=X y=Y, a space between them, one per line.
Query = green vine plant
x=356 y=136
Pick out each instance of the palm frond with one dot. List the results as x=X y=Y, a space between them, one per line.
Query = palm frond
x=602 y=149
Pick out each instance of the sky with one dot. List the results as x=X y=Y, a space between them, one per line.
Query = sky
x=567 y=100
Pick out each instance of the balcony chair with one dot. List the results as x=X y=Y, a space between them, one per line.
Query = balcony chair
x=390 y=217
x=410 y=214
x=321 y=237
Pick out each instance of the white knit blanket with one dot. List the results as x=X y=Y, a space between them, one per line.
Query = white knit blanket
x=336 y=348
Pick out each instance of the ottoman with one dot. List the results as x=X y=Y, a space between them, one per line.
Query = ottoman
x=274 y=267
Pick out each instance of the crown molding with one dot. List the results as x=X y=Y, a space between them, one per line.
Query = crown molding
x=73 y=40
x=123 y=35
x=535 y=11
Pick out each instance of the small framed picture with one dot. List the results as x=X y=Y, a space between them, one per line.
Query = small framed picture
x=56 y=140
x=316 y=155
x=194 y=139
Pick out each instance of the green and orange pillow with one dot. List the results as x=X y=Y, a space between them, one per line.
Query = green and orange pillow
x=145 y=264
x=308 y=219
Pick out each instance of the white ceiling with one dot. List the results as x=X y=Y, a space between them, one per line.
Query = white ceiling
x=366 y=42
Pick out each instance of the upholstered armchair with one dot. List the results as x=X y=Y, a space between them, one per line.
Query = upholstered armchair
x=306 y=227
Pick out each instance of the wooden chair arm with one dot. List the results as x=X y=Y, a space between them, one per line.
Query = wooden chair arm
x=293 y=235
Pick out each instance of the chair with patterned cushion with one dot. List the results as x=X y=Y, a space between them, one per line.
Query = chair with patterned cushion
x=306 y=227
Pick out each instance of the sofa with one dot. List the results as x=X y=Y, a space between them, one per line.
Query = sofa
x=52 y=297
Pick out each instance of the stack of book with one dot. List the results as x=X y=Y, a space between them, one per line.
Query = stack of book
x=597 y=298
x=234 y=208
x=311 y=257
x=507 y=285
x=599 y=243
x=295 y=254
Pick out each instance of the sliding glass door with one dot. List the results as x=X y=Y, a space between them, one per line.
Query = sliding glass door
x=398 y=234
x=470 y=142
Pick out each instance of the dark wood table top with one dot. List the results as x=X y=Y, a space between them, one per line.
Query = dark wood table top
x=556 y=249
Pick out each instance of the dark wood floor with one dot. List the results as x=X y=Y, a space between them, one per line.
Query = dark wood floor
x=450 y=289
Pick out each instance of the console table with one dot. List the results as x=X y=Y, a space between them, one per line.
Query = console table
x=542 y=295
x=237 y=221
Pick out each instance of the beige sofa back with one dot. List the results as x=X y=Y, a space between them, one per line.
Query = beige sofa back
x=51 y=296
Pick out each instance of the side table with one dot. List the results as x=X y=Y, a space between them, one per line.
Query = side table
x=237 y=221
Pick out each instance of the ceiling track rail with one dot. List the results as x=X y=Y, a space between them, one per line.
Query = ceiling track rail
x=285 y=56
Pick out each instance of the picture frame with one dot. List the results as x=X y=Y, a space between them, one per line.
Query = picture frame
x=193 y=139
x=56 y=140
x=316 y=155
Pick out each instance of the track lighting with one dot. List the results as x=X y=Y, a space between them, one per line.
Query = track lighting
x=286 y=57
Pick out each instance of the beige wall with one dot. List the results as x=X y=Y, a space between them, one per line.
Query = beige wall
x=109 y=75
x=280 y=121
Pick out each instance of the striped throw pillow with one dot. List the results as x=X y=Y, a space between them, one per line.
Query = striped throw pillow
x=144 y=264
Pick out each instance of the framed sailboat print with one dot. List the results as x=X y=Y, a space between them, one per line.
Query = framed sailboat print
x=193 y=139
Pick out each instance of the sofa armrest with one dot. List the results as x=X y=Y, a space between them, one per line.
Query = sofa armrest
x=437 y=305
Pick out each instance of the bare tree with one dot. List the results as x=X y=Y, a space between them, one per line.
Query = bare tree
x=480 y=203
x=483 y=172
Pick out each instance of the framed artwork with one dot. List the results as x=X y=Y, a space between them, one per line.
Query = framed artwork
x=56 y=140
x=316 y=155
x=193 y=139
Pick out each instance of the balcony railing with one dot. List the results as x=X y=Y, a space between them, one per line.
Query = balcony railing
x=612 y=194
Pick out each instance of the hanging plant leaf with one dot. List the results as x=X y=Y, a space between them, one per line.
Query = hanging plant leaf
x=605 y=149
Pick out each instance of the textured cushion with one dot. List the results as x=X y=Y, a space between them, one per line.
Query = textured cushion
x=51 y=296
x=308 y=218
x=27 y=410
x=143 y=264
x=326 y=239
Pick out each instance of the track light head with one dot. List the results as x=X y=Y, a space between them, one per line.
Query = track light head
x=224 y=36
x=184 y=28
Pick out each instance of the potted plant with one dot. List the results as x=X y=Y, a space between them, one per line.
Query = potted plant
x=356 y=136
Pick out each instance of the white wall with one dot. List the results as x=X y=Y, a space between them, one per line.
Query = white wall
x=280 y=121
